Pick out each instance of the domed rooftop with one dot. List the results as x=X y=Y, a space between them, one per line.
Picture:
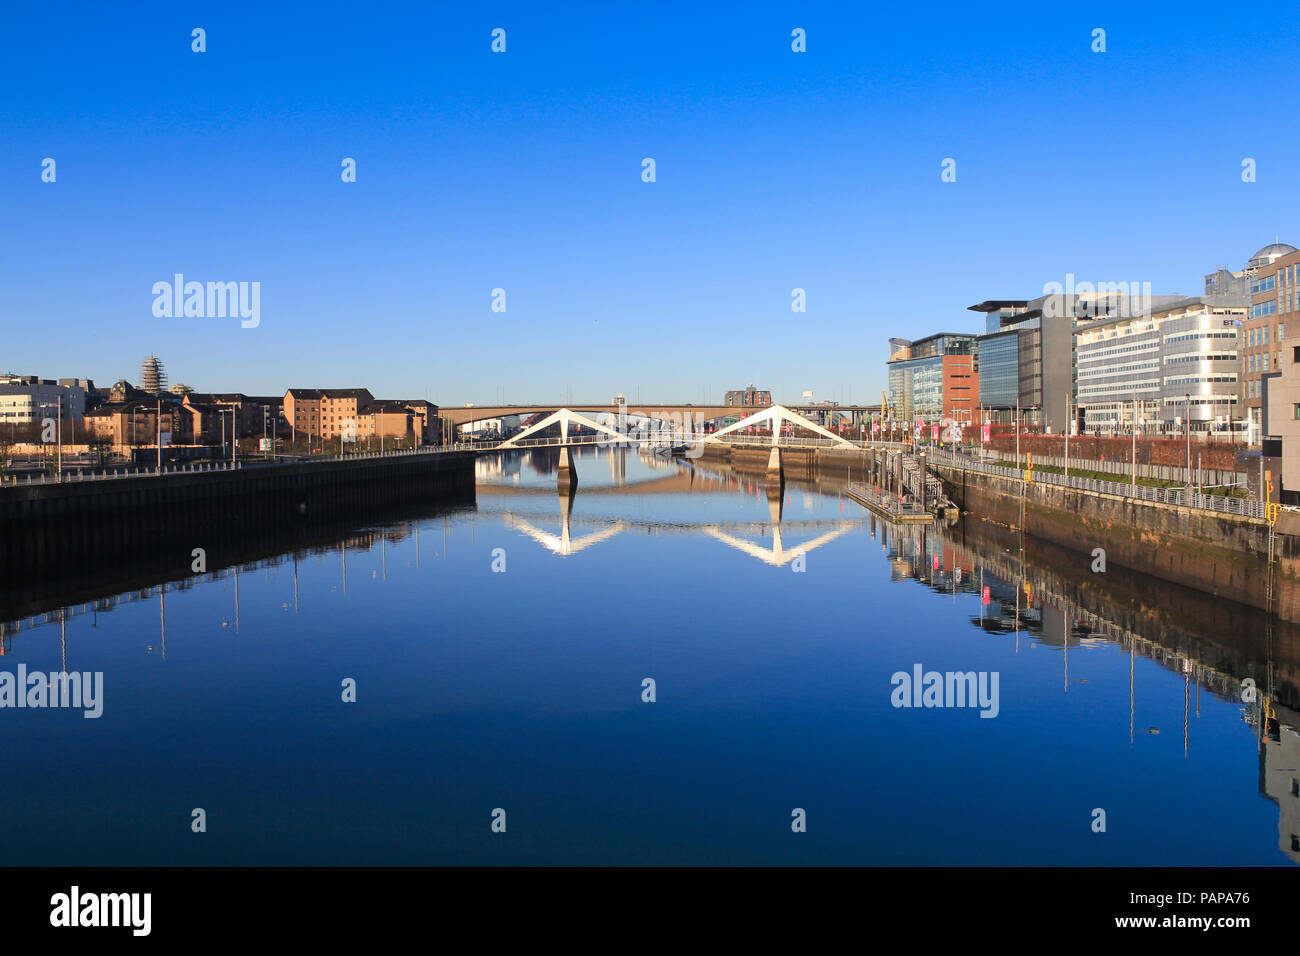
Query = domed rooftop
x=1269 y=253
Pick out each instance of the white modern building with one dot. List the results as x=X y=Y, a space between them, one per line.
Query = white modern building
x=1179 y=363
x=26 y=399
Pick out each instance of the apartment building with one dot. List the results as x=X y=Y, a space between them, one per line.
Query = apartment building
x=748 y=396
x=251 y=414
x=424 y=421
x=325 y=412
x=330 y=413
x=137 y=422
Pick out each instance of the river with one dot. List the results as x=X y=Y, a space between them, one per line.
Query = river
x=670 y=666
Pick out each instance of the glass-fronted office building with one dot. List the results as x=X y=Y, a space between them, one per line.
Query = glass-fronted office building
x=934 y=379
x=999 y=368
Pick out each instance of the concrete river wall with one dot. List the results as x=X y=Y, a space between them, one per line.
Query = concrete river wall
x=44 y=527
x=1224 y=555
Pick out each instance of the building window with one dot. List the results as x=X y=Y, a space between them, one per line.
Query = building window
x=1295 y=410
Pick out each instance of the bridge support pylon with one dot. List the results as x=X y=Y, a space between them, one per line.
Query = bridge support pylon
x=567 y=476
x=775 y=473
x=774 y=466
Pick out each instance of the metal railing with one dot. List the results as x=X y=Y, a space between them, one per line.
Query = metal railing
x=783 y=441
x=207 y=466
x=1184 y=497
x=885 y=502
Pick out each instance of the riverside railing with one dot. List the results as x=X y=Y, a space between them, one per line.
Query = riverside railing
x=1184 y=497
x=203 y=467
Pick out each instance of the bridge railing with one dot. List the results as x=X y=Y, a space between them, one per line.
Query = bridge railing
x=1184 y=497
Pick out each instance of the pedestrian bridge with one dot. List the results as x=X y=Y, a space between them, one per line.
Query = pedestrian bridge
x=763 y=428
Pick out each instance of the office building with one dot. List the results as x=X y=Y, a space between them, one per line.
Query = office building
x=934 y=380
x=1181 y=362
x=28 y=400
x=1272 y=276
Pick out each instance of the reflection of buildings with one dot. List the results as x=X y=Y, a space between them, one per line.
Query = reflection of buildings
x=1209 y=643
x=1279 y=771
x=332 y=542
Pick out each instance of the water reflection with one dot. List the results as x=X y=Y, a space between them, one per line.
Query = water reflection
x=1044 y=592
x=1034 y=599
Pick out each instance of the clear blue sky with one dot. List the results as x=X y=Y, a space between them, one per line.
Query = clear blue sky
x=522 y=171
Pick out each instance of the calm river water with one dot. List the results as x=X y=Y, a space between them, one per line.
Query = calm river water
x=501 y=652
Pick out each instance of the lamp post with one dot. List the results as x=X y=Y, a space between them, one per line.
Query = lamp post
x=1067 y=436
x=1017 y=433
x=1133 y=431
x=1188 y=425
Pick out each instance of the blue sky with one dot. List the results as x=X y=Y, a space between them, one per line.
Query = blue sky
x=522 y=171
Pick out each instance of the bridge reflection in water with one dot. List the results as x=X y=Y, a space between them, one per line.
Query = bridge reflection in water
x=1028 y=591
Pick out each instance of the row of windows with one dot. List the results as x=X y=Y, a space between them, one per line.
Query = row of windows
x=1190 y=336
x=1201 y=357
x=1198 y=380
x=1261 y=309
x=1122 y=387
x=1260 y=336
x=1264 y=284
x=1108 y=371
x=1259 y=363
x=1095 y=353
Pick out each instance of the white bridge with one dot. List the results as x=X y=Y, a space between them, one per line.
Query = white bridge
x=775 y=417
